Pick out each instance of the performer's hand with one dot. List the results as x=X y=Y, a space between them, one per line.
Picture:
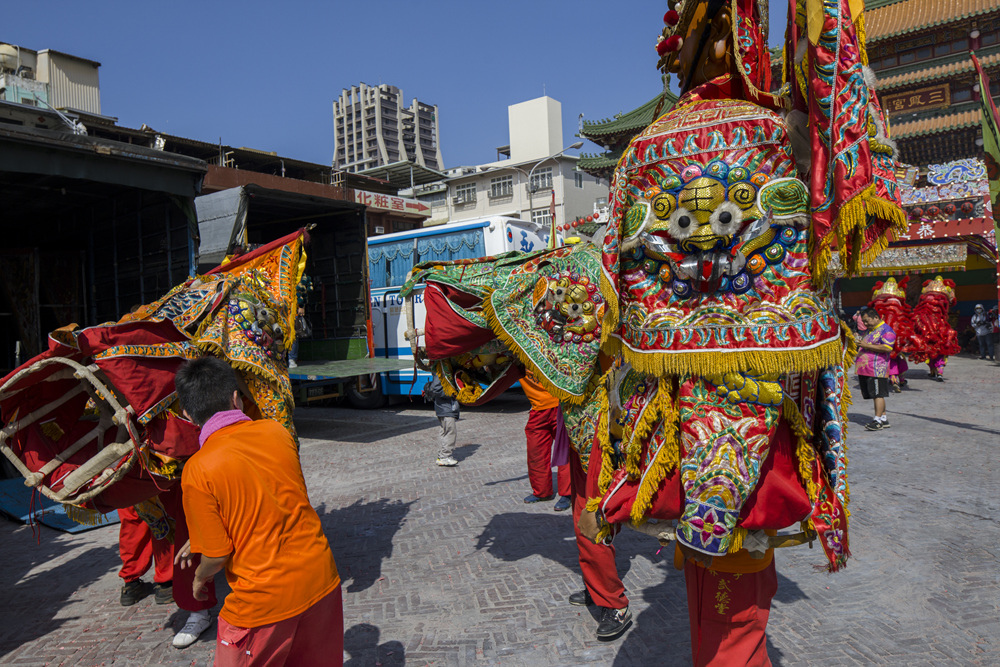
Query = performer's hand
x=184 y=557
x=588 y=525
x=198 y=589
x=696 y=556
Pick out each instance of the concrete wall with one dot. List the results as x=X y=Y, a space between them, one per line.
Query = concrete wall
x=535 y=129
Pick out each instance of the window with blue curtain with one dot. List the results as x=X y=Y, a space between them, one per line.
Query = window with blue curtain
x=448 y=247
x=389 y=263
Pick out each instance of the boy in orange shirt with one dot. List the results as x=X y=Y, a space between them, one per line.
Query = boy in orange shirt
x=248 y=512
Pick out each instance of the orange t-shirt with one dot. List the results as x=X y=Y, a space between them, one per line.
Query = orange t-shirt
x=540 y=399
x=244 y=495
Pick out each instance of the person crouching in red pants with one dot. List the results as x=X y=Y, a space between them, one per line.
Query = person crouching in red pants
x=539 y=432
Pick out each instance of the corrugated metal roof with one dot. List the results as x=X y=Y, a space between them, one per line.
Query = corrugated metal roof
x=904 y=17
x=939 y=72
x=935 y=125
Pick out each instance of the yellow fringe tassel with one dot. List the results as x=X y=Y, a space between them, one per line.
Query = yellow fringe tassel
x=525 y=359
x=604 y=440
x=718 y=363
x=667 y=459
x=736 y=540
x=804 y=450
x=609 y=324
x=593 y=504
x=852 y=219
x=644 y=428
x=84 y=516
x=859 y=30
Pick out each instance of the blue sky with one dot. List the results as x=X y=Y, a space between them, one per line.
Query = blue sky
x=265 y=74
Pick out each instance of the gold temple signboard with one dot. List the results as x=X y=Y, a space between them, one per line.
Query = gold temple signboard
x=923 y=98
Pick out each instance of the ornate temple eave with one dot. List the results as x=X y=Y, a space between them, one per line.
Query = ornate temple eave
x=624 y=126
x=935 y=124
x=899 y=18
x=941 y=72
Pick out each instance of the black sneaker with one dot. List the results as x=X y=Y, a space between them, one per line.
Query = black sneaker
x=563 y=504
x=538 y=499
x=874 y=425
x=581 y=598
x=163 y=593
x=885 y=423
x=133 y=591
x=614 y=623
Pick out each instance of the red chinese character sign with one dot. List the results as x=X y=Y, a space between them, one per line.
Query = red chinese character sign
x=392 y=203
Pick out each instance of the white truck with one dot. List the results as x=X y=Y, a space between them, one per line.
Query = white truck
x=390 y=258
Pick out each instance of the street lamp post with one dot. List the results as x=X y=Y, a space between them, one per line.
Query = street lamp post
x=527 y=175
x=531 y=192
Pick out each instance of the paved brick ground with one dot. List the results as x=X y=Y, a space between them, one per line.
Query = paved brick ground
x=449 y=567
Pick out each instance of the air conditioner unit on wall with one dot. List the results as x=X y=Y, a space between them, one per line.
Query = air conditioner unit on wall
x=379 y=229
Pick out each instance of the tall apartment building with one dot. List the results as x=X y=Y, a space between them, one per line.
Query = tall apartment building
x=532 y=172
x=372 y=128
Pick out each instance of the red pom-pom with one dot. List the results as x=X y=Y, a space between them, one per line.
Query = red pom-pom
x=671 y=18
x=669 y=45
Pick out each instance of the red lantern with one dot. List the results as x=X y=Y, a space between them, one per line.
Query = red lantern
x=590 y=218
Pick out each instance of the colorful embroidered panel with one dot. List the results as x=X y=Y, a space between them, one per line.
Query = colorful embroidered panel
x=706 y=256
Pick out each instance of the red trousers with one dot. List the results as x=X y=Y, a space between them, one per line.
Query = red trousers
x=729 y=615
x=139 y=550
x=314 y=637
x=597 y=561
x=137 y=546
x=540 y=431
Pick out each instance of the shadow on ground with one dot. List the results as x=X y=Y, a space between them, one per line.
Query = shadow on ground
x=41 y=595
x=314 y=426
x=361 y=644
x=464 y=451
x=361 y=538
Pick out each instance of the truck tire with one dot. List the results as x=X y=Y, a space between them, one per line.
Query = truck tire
x=368 y=400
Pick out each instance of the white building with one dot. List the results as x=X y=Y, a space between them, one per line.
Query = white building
x=521 y=184
x=49 y=79
x=372 y=128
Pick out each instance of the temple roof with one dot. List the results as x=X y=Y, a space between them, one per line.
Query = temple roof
x=886 y=18
x=939 y=72
x=603 y=161
x=631 y=122
x=935 y=124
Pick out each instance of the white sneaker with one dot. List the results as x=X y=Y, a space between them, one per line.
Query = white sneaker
x=447 y=461
x=292 y=363
x=196 y=624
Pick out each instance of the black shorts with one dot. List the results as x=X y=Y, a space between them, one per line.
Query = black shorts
x=873 y=387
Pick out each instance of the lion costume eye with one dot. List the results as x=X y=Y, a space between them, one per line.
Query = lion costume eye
x=726 y=219
x=663 y=205
x=681 y=224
